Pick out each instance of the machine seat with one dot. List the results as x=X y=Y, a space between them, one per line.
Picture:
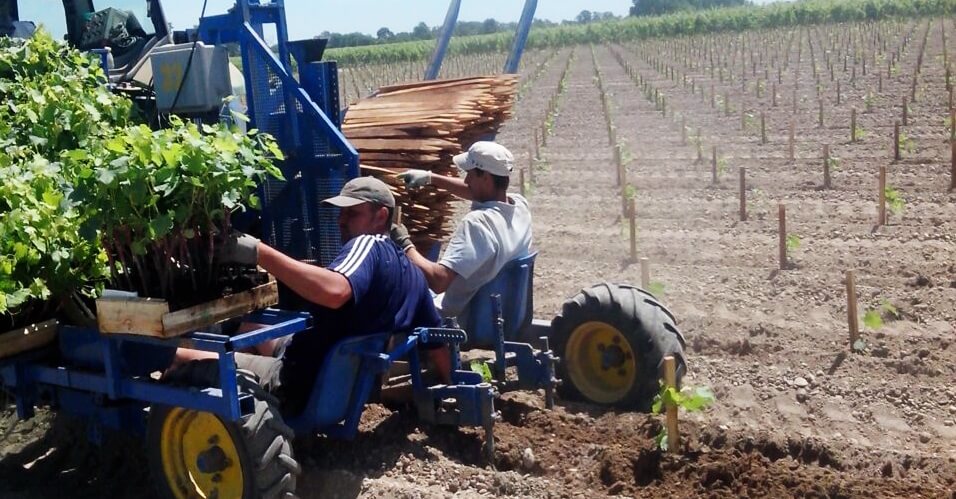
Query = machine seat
x=514 y=283
x=343 y=385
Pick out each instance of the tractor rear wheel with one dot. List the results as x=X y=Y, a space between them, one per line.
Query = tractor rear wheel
x=198 y=454
x=612 y=340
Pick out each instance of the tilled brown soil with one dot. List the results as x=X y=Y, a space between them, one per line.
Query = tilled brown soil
x=796 y=413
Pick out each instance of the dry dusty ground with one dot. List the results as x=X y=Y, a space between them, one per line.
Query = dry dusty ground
x=796 y=415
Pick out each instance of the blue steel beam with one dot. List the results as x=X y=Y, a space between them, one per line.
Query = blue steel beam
x=521 y=37
x=451 y=18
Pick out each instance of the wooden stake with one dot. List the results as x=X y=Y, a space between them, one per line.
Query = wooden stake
x=645 y=273
x=763 y=128
x=616 y=151
x=838 y=93
x=879 y=85
x=820 y=118
x=670 y=380
x=632 y=215
x=683 y=131
x=774 y=97
x=853 y=125
x=882 y=206
x=905 y=112
x=743 y=194
x=713 y=164
x=537 y=150
x=826 y=166
x=952 y=124
x=782 y=222
x=896 y=141
x=521 y=181
x=952 y=167
x=853 y=319
x=791 y=142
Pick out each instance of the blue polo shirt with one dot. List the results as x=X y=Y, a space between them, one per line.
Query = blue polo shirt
x=389 y=295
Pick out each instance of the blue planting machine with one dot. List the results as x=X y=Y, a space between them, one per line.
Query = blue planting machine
x=227 y=438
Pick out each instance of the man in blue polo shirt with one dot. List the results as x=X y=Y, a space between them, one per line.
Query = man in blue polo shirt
x=370 y=287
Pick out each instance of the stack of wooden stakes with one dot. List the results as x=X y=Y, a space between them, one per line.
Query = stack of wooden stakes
x=423 y=125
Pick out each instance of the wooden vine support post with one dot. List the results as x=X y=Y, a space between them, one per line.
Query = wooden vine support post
x=763 y=128
x=670 y=380
x=826 y=166
x=853 y=320
x=791 y=145
x=905 y=112
x=853 y=125
x=882 y=207
x=713 y=165
x=645 y=273
x=782 y=221
x=896 y=141
x=521 y=182
x=632 y=216
x=952 y=166
x=743 y=194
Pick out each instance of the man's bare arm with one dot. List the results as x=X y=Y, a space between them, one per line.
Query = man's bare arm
x=439 y=277
x=316 y=284
x=454 y=185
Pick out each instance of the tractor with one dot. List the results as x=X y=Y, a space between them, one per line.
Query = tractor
x=226 y=436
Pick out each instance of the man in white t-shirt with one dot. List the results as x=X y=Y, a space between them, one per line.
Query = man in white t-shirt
x=495 y=231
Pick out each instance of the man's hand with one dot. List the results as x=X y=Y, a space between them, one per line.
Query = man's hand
x=416 y=178
x=399 y=235
x=239 y=248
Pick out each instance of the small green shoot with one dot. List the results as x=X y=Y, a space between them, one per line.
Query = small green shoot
x=481 y=368
x=655 y=288
x=721 y=166
x=688 y=399
x=793 y=242
x=630 y=192
x=906 y=143
x=872 y=319
x=894 y=200
x=834 y=163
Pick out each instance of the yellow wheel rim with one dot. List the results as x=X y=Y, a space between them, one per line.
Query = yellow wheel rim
x=600 y=362
x=200 y=458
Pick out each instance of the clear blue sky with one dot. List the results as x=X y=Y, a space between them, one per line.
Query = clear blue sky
x=307 y=18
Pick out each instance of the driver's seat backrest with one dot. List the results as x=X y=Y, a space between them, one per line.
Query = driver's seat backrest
x=514 y=283
x=338 y=380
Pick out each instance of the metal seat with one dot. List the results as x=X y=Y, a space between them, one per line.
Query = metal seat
x=514 y=284
x=342 y=387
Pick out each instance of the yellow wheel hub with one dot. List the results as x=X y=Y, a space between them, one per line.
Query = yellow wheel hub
x=600 y=362
x=200 y=458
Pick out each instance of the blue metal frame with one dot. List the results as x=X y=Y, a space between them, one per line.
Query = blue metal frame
x=521 y=37
x=444 y=37
x=84 y=388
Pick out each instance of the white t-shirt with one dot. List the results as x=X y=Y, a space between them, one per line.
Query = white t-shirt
x=489 y=236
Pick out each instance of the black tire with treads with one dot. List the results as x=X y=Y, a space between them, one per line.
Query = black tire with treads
x=645 y=323
x=263 y=440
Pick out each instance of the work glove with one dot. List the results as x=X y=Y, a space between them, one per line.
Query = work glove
x=399 y=235
x=239 y=248
x=416 y=178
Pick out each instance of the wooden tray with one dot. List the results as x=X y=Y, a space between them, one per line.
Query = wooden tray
x=27 y=338
x=152 y=317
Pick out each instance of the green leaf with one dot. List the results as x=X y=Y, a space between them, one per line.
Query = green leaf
x=661 y=439
x=482 y=369
x=872 y=319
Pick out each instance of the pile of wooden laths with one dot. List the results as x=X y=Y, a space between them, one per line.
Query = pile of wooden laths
x=422 y=125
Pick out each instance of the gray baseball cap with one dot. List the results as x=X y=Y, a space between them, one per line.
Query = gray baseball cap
x=491 y=157
x=363 y=190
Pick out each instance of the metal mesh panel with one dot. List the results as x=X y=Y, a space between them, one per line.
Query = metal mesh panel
x=327 y=225
x=295 y=221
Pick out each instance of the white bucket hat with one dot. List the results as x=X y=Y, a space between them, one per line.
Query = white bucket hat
x=490 y=157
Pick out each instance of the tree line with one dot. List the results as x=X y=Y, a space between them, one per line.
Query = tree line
x=463 y=28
